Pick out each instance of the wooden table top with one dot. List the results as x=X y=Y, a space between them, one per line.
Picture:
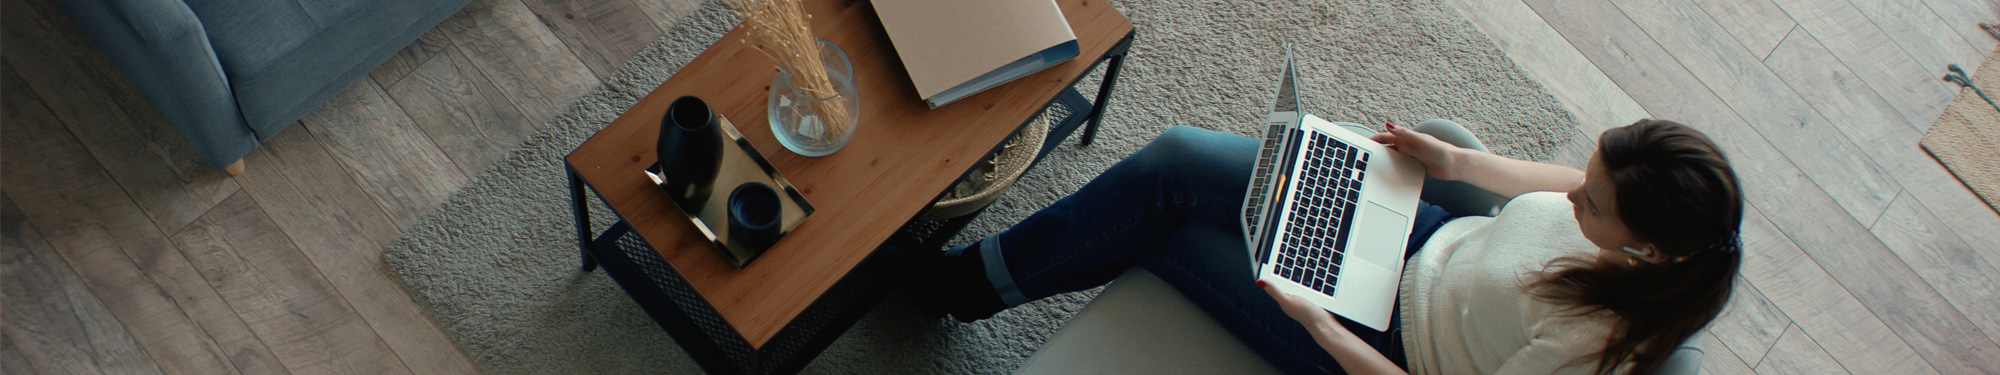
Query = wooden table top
x=902 y=156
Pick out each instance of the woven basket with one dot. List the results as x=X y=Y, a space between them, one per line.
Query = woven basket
x=992 y=176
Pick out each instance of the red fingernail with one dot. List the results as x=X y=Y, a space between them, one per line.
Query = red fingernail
x=1261 y=284
x=1390 y=124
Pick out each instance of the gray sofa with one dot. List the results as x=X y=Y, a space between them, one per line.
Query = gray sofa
x=231 y=73
x=1142 y=325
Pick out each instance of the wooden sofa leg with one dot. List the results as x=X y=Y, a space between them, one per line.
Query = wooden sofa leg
x=235 y=169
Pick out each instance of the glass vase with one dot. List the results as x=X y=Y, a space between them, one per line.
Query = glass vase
x=813 y=112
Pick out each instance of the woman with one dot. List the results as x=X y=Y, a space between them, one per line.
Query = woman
x=1611 y=277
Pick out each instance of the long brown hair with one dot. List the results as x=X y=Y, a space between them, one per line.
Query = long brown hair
x=1673 y=189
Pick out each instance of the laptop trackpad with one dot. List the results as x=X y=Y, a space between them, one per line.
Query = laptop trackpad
x=1378 y=228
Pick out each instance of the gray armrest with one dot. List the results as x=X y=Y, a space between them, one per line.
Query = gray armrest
x=163 y=49
x=1142 y=325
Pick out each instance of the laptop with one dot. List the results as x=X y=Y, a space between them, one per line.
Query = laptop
x=1328 y=212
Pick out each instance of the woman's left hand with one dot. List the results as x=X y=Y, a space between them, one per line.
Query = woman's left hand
x=1354 y=356
x=1314 y=318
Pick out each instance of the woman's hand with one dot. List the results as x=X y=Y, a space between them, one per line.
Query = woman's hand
x=1354 y=355
x=1440 y=158
x=1314 y=318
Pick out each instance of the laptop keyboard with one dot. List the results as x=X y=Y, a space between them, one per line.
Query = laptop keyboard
x=1322 y=212
x=1260 y=179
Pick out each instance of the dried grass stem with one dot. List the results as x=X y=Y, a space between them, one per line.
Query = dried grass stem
x=781 y=29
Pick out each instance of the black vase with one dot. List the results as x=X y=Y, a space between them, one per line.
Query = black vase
x=754 y=214
x=690 y=145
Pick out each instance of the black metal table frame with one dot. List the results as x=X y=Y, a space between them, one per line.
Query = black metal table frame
x=719 y=348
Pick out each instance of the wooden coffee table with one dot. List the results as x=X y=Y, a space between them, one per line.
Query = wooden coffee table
x=776 y=313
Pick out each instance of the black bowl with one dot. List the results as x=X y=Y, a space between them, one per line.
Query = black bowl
x=754 y=215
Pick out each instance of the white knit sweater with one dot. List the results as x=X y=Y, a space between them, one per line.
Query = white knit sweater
x=1464 y=307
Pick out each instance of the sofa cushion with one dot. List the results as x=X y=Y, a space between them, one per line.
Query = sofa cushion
x=283 y=58
x=251 y=34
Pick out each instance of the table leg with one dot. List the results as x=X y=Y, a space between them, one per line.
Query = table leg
x=1117 y=55
x=581 y=207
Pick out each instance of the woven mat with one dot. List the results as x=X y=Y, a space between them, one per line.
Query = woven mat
x=1966 y=138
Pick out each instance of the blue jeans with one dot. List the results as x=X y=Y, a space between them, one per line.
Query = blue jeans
x=1173 y=208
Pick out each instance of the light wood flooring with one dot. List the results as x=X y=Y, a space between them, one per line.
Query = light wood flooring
x=122 y=254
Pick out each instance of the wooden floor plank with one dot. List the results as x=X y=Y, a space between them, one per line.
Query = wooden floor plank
x=1750 y=324
x=668 y=13
x=1757 y=24
x=144 y=154
x=428 y=45
x=1550 y=60
x=471 y=120
x=128 y=263
x=331 y=218
x=403 y=170
x=602 y=33
x=1869 y=271
x=1716 y=359
x=1963 y=17
x=279 y=293
x=1965 y=278
x=1838 y=93
x=522 y=57
x=50 y=318
x=1918 y=30
x=12 y=361
x=1817 y=304
x=1911 y=86
x=1797 y=353
x=1765 y=103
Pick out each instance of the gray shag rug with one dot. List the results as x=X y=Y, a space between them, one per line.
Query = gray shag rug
x=496 y=266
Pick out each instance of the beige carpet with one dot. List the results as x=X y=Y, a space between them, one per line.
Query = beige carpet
x=1967 y=137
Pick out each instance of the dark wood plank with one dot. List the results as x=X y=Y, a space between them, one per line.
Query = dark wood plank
x=1550 y=60
x=1839 y=166
x=1750 y=325
x=1634 y=60
x=1797 y=353
x=144 y=154
x=667 y=13
x=415 y=55
x=280 y=294
x=602 y=33
x=1911 y=86
x=51 y=319
x=140 y=277
x=520 y=55
x=11 y=359
x=1716 y=359
x=1757 y=24
x=331 y=218
x=458 y=108
x=1965 y=278
x=403 y=170
x=1919 y=31
x=1839 y=94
